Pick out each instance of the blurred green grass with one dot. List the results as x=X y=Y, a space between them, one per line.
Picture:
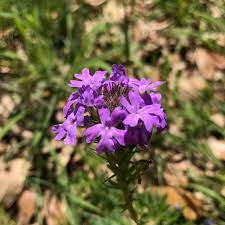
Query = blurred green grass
x=44 y=42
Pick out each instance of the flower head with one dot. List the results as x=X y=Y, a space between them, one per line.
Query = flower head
x=117 y=113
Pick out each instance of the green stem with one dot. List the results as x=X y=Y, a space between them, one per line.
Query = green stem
x=120 y=164
x=129 y=205
x=133 y=213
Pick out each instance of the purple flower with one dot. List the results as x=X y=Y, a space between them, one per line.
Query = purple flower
x=68 y=129
x=118 y=115
x=117 y=112
x=119 y=74
x=85 y=79
x=110 y=136
x=148 y=114
x=137 y=136
x=144 y=85
x=162 y=124
x=90 y=97
x=71 y=100
x=152 y=98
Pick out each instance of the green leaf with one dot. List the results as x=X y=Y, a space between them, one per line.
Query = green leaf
x=10 y=122
x=209 y=192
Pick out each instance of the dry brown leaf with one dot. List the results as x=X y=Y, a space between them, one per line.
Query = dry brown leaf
x=178 y=157
x=21 y=53
x=6 y=106
x=175 y=177
x=217 y=147
x=175 y=173
x=26 y=207
x=113 y=12
x=3 y=147
x=65 y=155
x=219 y=61
x=150 y=32
x=216 y=10
x=157 y=26
x=4 y=33
x=12 y=177
x=218 y=119
x=27 y=135
x=178 y=65
x=94 y=3
x=4 y=69
x=152 y=72
x=148 y=29
x=207 y=62
x=53 y=210
x=180 y=198
x=223 y=191
x=175 y=129
x=220 y=39
x=190 y=84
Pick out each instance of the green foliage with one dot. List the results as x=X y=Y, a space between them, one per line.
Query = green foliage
x=5 y=219
x=155 y=209
x=46 y=42
x=212 y=187
x=113 y=219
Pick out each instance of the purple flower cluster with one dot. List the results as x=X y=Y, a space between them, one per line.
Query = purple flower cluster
x=117 y=112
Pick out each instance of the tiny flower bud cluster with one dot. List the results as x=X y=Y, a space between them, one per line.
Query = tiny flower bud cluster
x=117 y=112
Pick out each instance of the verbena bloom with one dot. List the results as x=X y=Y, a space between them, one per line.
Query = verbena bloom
x=110 y=136
x=117 y=111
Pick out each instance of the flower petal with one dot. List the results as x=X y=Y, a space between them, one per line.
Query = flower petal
x=118 y=73
x=93 y=132
x=99 y=75
x=135 y=99
x=78 y=76
x=144 y=81
x=126 y=104
x=154 y=85
x=99 y=100
x=60 y=131
x=153 y=109
x=71 y=100
x=162 y=123
x=156 y=98
x=119 y=135
x=133 y=82
x=131 y=137
x=131 y=120
x=106 y=144
x=80 y=115
x=104 y=114
x=75 y=83
x=149 y=121
x=118 y=115
x=71 y=135
x=86 y=74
